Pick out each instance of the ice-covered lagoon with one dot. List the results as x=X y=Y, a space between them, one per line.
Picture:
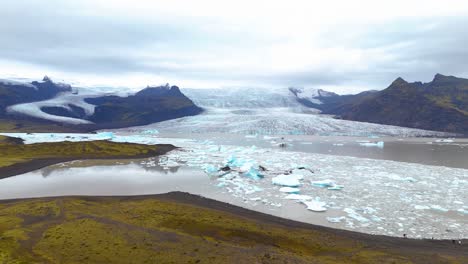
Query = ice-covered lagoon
x=377 y=194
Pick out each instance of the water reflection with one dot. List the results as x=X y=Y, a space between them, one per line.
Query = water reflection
x=142 y=163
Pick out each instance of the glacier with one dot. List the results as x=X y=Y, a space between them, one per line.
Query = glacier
x=278 y=121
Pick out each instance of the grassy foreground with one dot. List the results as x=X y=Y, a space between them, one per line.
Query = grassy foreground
x=182 y=228
x=17 y=157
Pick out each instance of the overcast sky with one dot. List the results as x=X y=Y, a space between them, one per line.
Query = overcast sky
x=343 y=46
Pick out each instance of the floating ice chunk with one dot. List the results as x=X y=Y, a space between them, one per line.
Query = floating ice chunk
x=379 y=144
x=438 y=208
x=458 y=202
x=103 y=135
x=336 y=219
x=245 y=167
x=251 y=136
x=338 y=144
x=421 y=207
x=248 y=170
x=291 y=180
x=150 y=132
x=210 y=169
x=234 y=162
x=255 y=199
x=448 y=140
x=289 y=190
x=336 y=187
x=323 y=183
x=463 y=211
x=356 y=216
x=316 y=206
x=254 y=174
x=298 y=197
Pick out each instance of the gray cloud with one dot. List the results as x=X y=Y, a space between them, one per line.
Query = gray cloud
x=58 y=35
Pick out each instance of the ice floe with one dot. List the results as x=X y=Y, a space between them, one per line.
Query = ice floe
x=316 y=206
x=379 y=144
x=289 y=190
x=291 y=180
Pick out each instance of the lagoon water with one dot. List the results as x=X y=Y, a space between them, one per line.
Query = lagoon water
x=426 y=200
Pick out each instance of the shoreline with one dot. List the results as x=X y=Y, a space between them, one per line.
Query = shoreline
x=405 y=246
x=39 y=163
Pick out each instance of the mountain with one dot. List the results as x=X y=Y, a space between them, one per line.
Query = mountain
x=150 y=105
x=13 y=92
x=440 y=105
x=311 y=97
x=27 y=106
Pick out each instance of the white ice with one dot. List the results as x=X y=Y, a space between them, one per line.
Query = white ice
x=291 y=180
x=379 y=144
x=316 y=206
x=289 y=190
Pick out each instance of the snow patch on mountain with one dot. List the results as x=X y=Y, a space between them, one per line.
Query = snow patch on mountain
x=311 y=94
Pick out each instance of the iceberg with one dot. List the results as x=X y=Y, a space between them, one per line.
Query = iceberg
x=379 y=144
x=335 y=219
x=105 y=135
x=439 y=208
x=323 y=183
x=298 y=197
x=289 y=190
x=210 y=169
x=448 y=140
x=253 y=173
x=353 y=214
x=421 y=207
x=336 y=188
x=150 y=132
x=290 y=180
x=316 y=206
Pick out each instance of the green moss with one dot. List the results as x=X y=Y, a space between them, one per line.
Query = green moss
x=17 y=153
x=149 y=230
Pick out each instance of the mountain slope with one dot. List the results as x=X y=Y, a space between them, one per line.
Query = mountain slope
x=149 y=105
x=440 y=105
x=80 y=109
x=12 y=93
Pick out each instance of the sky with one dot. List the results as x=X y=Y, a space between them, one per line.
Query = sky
x=342 y=46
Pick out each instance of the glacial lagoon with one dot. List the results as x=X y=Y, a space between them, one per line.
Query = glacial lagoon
x=362 y=185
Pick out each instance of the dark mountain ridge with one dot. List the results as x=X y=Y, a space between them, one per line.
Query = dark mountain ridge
x=152 y=104
x=440 y=105
x=16 y=93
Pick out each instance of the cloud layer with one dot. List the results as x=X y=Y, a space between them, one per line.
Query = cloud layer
x=345 y=46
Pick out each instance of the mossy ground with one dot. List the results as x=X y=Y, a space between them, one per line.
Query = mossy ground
x=153 y=230
x=16 y=153
x=13 y=125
